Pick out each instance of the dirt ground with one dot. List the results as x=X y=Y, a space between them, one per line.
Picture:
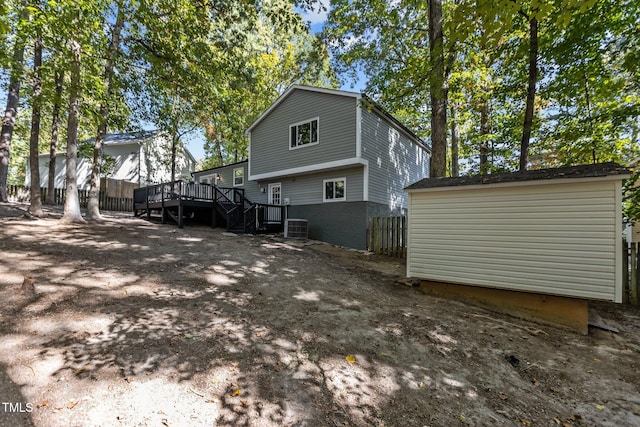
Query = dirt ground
x=135 y=323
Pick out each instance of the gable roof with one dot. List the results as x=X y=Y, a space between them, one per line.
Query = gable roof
x=567 y=172
x=355 y=95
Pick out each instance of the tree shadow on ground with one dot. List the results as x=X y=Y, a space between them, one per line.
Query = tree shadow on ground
x=263 y=331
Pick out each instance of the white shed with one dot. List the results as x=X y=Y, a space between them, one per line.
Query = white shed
x=552 y=231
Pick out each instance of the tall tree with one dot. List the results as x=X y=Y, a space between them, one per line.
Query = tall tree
x=35 y=207
x=438 y=91
x=93 y=205
x=72 y=202
x=53 y=142
x=13 y=99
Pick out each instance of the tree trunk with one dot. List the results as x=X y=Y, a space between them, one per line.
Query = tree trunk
x=484 y=132
x=531 y=93
x=35 y=207
x=59 y=80
x=72 y=203
x=10 y=113
x=455 y=147
x=174 y=148
x=438 y=92
x=93 y=205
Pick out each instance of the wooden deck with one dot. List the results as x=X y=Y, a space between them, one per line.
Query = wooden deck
x=182 y=201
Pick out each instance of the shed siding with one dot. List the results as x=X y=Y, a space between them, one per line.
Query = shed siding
x=336 y=132
x=553 y=238
x=394 y=161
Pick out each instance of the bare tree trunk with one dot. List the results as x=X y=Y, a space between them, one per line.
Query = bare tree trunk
x=531 y=93
x=10 y=113
x=35 y=207
x=174 y=149
x=93 y=205
x=59 y=80
x=484 y=131
x=438 y=92
x=72 y=203
x=455 y=147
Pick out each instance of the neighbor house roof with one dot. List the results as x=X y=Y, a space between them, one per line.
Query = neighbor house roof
x=355 y=95
x=568 y=172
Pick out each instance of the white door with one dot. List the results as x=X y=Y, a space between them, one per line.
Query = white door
x=275 y=198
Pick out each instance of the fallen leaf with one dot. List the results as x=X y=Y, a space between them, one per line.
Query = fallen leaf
x=258 y=334
x=71 y=404
x=525 y=422
x=600 y=407
x=42 y=404
x=129 y=379
x=421 y=384
x=235 y=392
x=350 y=358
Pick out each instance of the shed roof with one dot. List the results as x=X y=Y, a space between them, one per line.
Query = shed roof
x=567 y=172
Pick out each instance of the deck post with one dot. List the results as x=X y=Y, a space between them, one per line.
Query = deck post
x=180 y=214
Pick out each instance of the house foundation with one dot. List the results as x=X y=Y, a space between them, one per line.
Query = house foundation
x=567 y=313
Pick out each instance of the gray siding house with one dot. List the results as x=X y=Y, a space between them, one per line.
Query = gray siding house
x=334 y=158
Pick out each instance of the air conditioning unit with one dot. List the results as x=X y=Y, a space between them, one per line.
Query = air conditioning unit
x=296 y=228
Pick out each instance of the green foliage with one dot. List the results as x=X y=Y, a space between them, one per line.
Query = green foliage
x=631 y=198
x=587 y=106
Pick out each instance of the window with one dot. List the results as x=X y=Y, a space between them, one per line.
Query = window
x=303 y=133
x=238 y=177
x=335 y=190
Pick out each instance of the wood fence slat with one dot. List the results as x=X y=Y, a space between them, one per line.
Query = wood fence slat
x=387 y=236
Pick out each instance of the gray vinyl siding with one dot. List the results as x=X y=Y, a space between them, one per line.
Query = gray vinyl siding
x=560 y=238
x=308 y=189
x=343 y=224
x=336 y=132
x=394 y=161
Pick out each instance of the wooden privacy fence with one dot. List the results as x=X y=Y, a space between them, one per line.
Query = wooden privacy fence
x=631 y=271
x=388 y=236
x=20 y=193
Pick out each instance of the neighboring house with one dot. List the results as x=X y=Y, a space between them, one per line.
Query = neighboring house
x=138 y=157
x=551 y=232
x=334 y=158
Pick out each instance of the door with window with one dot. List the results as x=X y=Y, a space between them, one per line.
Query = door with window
x=275 y=198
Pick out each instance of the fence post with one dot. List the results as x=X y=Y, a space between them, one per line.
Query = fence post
x=635 y=273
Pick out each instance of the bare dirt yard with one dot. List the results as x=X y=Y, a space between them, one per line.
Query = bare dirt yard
x=133 y=323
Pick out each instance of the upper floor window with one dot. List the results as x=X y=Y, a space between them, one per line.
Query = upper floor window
x=303 y=133
x=335 y=190
x=238 y=177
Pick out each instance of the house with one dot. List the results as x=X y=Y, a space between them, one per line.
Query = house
x=540 y=242
x=332 y=157
x=138 y=157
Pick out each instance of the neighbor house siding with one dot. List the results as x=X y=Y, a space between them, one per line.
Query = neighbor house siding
x=337 y=132
x=394 y=161
x=556 y=238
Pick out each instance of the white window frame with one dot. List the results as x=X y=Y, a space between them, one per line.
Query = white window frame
x=324 y=189
x=295 y=125
x=235 y=184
